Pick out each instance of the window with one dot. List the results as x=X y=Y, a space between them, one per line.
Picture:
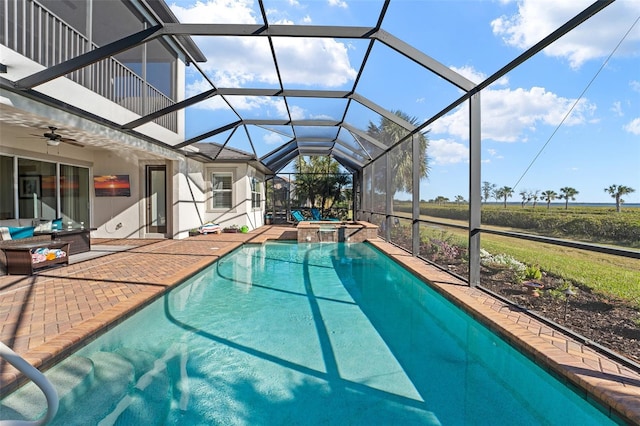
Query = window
x=221 y=190
x=256 y=191
x=43 y=190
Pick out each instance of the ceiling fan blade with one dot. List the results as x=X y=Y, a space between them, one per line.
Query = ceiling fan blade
x=71 y=142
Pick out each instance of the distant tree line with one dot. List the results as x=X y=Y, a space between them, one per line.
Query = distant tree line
x=504 y=193
x=567 y=193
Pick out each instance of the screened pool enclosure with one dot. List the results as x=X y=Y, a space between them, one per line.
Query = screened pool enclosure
x=388 y=154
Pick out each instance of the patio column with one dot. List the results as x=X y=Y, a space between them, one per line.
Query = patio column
x=387 y=196
x=356 y=194
x=475 y=200
x=415 y=195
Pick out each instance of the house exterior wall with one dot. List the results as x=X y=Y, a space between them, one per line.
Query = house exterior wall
x=109 y=151
x=117 y=217
x=241 y=213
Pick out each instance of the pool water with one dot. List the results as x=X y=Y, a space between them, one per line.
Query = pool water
x=333 y=333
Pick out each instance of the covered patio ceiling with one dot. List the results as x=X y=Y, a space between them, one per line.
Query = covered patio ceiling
x=335 y=119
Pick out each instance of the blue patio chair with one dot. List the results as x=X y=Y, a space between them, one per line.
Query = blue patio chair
x=297 y=215
x=315 y=214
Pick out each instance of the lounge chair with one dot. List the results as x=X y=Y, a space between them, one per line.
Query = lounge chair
x=297 y=216
x=315 y=215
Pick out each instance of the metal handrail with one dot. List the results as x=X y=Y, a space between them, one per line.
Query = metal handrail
x=39 y=379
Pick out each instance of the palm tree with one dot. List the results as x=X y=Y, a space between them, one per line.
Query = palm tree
x=401 y=158
x=318 y=181
x=568 y=193
x=549 y=196
x=525 y=197
x=534 y=195
x=487 y=189
x=441 y=199
x=504 y=193
x=496 y=194
x=617 y=191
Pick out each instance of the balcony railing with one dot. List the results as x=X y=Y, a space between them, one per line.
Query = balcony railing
x=38 y=34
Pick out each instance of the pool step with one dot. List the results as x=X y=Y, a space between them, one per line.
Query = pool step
x=114 y=375
x=71 y=378
x=150 y=401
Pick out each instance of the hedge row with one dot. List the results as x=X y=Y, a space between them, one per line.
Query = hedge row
x=622 y=228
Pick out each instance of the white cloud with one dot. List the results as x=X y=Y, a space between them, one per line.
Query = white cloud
x=338 y=3
x=493 y=153
x=635 y=85
x=508 y=113
x=442 y=152
x=477 y=77
x=633 y=126
x=247 y=61
x=217 y=12
x=595 y=38
x=314 y=61
x=273 y=138
x=297 y=113
x=617 y=108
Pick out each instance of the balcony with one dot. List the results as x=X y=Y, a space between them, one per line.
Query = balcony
x=36 y=33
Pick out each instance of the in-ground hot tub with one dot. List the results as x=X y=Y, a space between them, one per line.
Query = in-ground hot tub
x=335 y=231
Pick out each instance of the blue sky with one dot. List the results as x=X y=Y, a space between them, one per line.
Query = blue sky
x=568 y=117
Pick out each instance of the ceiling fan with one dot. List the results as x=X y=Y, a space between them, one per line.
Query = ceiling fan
x=54 y=139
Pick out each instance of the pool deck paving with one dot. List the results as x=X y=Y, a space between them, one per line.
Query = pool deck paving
x=47 y=316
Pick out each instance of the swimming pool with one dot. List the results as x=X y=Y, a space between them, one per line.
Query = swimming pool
x=309 y=334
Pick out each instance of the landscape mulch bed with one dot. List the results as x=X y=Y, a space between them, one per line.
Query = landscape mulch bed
x=609 y=322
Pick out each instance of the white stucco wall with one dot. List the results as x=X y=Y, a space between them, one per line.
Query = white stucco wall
x=117 y=217
x=188 y=182
x=241 y=214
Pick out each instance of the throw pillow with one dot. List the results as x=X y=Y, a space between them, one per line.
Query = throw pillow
x=44 y=227
x=22 y=232
x=5 y=235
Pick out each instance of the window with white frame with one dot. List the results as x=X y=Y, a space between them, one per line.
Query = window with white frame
x=221 y=190
x=256 y=191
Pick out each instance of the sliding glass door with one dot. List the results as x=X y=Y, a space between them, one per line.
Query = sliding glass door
x=37 y=189
x=74 y=194
x=44 y=190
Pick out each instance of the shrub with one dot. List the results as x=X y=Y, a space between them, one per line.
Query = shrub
x=532 y=273
x=504 y=261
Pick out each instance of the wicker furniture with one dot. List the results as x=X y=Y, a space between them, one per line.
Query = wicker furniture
x=20 y=261
x=80 y=239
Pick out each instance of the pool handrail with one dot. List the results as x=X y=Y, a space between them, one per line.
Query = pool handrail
x=39 y=379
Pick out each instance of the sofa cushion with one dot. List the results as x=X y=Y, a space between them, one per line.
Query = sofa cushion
x=5 y=235
x=22 y=232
